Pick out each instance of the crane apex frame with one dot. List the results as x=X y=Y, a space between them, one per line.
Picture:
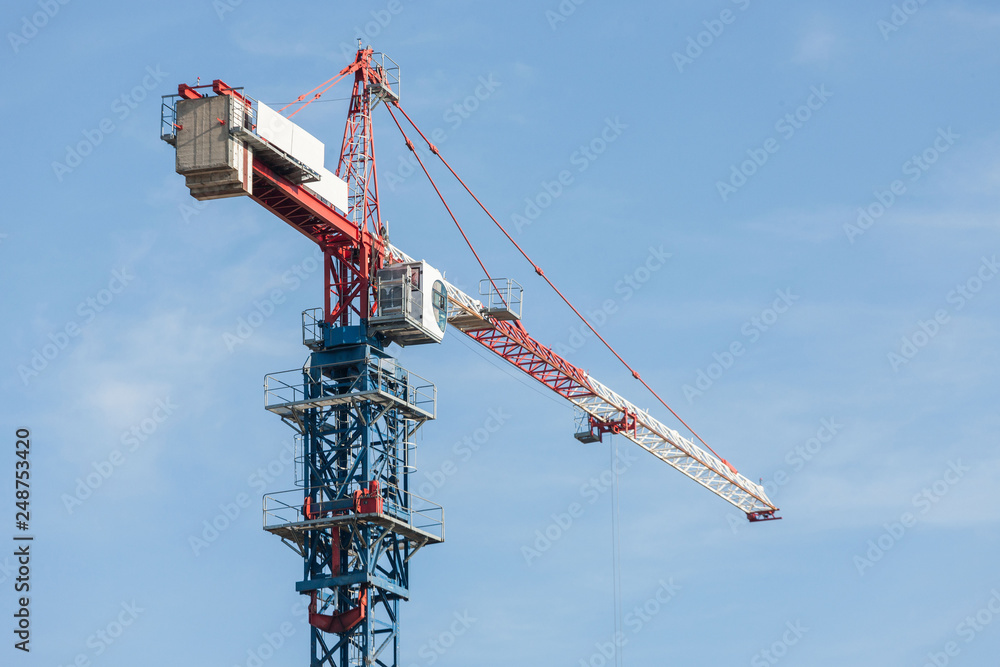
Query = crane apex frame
x=352 y=518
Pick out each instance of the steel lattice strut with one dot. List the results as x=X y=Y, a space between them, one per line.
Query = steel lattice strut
x=512 y=342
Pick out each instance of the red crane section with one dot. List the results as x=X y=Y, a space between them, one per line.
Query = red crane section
x=354 y=250
x=511 y=341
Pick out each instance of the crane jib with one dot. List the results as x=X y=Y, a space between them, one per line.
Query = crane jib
x=512 y=342
x=269 y=181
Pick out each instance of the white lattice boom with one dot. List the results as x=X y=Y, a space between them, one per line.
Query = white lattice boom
x=512 y=342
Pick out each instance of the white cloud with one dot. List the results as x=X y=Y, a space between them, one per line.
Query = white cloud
x=816 y=46
x=978 y=18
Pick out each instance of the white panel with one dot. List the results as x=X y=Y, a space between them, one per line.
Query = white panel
x=289 y=137
x=274 y=127
x=330 y=188
x=307 y=148
x=430 y=320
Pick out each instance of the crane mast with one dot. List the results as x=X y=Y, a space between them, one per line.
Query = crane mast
x=354 y=409
x=350 y=266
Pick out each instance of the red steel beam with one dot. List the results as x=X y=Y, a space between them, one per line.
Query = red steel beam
x=512 y=342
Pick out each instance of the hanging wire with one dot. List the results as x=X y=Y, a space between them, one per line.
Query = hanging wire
x=332 y=99
x=409 y=144
x=329 y=83
x=616 y=554
x=519 y=375
x=541 y=273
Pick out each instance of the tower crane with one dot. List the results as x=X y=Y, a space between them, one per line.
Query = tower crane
x=353 y=519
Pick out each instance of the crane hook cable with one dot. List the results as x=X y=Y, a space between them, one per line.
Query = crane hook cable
x=616 y=554
x=409 y=144
x=541 y=273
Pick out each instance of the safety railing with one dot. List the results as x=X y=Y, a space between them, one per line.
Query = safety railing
x=376 y=376
x=584 y=430
x=168 y=119
x=244 y=124
x=312 y=328
x=388 y=88
x=299 y=460
x=288 y=507
x=502 y=298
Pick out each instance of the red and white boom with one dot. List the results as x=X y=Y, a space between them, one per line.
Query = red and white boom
x=354 y=250
x=608 y=411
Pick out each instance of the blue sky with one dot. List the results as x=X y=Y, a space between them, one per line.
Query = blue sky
x=835 y=161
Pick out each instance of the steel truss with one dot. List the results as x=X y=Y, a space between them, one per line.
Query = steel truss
x=358 y=525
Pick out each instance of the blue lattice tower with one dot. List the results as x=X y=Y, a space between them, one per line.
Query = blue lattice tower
x=354 y=522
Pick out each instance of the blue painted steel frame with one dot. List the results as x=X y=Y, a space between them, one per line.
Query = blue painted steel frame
x=347 y=446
